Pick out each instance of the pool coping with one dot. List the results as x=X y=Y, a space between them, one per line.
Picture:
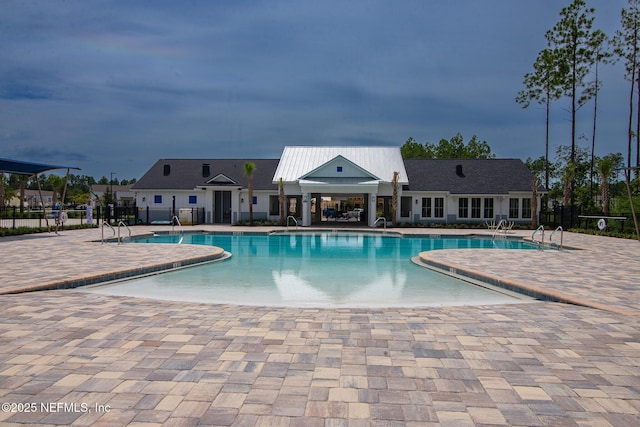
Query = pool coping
x=474 y=278
x=443 y=267
x=454 y=270
x=102 y=278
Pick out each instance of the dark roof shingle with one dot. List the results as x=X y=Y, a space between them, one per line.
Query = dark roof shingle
x=478 y=176
x=186 y=174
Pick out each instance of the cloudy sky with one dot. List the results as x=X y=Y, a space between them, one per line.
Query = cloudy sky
x=113 y=86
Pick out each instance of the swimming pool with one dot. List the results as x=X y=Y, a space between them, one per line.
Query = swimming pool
x=316 y=269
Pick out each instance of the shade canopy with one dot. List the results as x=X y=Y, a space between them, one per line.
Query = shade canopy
x=19 y=167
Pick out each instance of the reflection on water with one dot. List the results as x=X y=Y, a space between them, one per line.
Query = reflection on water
x=315 y=269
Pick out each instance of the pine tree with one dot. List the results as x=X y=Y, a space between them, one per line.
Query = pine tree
x=543 y=85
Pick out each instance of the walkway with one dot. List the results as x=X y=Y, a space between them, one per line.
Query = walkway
x=87 y=359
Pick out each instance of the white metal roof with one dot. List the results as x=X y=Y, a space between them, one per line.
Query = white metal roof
x=297 y=161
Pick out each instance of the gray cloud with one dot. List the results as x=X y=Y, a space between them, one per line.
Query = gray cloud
x=117 y=84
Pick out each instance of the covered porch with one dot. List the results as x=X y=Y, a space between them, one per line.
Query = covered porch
x=341 y=184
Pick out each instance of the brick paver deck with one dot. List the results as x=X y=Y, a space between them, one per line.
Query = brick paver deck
x=86 y=359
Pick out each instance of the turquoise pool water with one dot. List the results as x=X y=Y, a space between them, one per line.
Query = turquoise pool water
x=323 y=269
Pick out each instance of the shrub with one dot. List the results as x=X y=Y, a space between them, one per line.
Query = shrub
x=18 y=231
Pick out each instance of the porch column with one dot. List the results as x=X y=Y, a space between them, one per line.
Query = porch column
x=306 y=210
x=371 y=211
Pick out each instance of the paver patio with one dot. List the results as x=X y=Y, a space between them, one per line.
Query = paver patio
x=89 y=359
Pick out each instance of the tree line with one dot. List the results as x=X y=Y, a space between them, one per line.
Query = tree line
x=454 y=148
x=570 y=67
x=78 y=187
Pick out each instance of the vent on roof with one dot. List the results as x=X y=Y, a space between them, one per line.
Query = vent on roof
x=459 y=171
x=167 y=170
x=206 y=170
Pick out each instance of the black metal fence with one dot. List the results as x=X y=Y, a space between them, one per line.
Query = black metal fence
x=576 y=217
x=115 y=214
x=159 y=216
x=132 y=215
x=11 y=217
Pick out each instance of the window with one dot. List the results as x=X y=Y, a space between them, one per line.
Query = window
x=514 y=211
x=426 y=207
x=167 y=170
x=463 y=208
x=526 y=208
x=438 y=211
x=274 y=205
x=475 y=207
x=255 y=200
x=488 y=208
x=293 y=206
x=193 y=200
x=405 y=206
x=339 y=168
x=157 y=199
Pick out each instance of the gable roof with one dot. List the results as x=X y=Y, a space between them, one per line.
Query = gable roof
x=186 y=174
x=221 y=179
x=326 y=169
x=297 y=162
x=478 y=176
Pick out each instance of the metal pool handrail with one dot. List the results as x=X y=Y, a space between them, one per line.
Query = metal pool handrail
x=561 y=236
x=294 y=220
x=125 y=226
x=541 y=243
x=102 y=230
x=384 y=223
x=500 y=224
x=174 y=221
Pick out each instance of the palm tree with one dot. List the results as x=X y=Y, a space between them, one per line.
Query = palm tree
x=281 y=201
x=394 y=198
x=605 y=168
x=23 y=185
x=534 y=202
x=567 y=183
x=249 y=169
x=56 y=183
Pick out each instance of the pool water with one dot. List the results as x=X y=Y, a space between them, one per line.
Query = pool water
x=324 y=269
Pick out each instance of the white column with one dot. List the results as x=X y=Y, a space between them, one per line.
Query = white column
x=373 y=204
x=306 y=210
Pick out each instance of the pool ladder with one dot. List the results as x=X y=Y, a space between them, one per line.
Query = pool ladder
x=121 y=223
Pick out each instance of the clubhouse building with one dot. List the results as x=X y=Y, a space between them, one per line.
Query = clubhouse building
x=348 y=184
